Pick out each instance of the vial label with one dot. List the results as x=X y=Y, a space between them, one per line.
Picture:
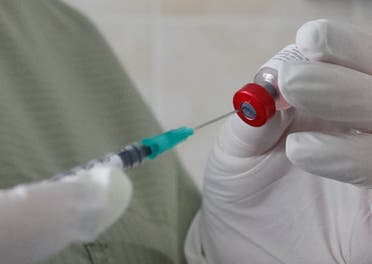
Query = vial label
x=288 y=54
x=267 y=75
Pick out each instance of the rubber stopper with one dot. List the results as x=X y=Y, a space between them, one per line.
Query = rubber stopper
x=255 y=104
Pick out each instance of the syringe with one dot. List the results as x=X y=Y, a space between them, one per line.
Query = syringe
x=134 y=154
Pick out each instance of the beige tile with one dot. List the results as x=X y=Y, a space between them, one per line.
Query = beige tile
x=212 y=7
x=109 y=7
x=299 y=8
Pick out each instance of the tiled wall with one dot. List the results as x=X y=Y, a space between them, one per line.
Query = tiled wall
x=187 y=57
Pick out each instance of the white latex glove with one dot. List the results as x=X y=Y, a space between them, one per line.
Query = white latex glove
x=38 y=220
x=301 y=194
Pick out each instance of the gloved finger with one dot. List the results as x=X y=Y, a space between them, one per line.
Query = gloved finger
x=238 y=139
x=327 y=91
x=338 y=156
x=246 y=159
x=337 y=43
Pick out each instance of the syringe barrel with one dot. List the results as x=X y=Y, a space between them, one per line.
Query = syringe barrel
x=133 y=155
x=130 y=157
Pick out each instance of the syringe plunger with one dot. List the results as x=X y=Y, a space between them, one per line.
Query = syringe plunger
x=133 y=155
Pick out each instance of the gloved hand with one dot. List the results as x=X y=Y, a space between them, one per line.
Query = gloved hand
x=298 y=189
x=38 y=220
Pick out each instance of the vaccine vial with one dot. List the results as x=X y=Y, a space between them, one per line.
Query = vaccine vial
x=258 y=101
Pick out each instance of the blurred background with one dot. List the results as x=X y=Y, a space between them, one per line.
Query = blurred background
x=188 y=57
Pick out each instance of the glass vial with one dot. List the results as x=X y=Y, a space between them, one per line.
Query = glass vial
x=267 y=75
x=258 y=101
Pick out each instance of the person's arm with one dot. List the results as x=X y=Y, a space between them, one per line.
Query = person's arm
x=38 y=220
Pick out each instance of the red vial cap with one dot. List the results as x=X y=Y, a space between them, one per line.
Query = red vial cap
x=255 y=103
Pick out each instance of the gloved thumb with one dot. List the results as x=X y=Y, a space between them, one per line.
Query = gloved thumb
x=241 y=140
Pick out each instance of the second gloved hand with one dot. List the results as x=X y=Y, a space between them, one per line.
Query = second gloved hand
x=297 y=189
x=40 y=219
